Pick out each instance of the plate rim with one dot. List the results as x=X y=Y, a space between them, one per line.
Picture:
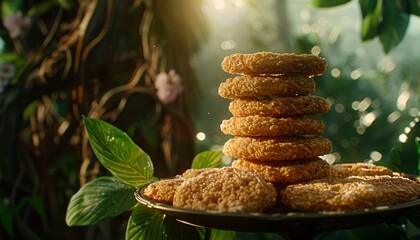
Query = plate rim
x=272 y=216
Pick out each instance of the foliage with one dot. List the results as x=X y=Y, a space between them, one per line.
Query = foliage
x=119 y=154
x=99 y=199
x=207 y=159
x=326 y=4
x=354 y=96
x=361 y=89
x=387 y=20
x=107 y=197
x=99 y=59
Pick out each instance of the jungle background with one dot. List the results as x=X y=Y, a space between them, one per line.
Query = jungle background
x=64 y=59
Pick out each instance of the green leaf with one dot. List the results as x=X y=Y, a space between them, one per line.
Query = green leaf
x=29 y=109
x=102 y=198
x=371 y=14
x=393 y=26
x=6 y=217
x=42 y=7
x=145 y=223
x=179 y=231
x=217 y=234
x=66 y=4
x=414 y=7
x=207 y=159
x=395 y=159
x=328 y=3
x=38 y=204
x=10 y=6
x=9 y=58
x=118 y=153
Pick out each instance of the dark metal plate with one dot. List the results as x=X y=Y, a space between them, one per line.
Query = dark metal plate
x=283 y=223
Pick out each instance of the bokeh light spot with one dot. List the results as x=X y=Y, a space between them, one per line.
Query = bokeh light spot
x=201 y=136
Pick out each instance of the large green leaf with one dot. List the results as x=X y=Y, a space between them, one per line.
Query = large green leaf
x=102 y=198
x=328 y=3
x=371 y=14
x=207 y=159
x=394 y=25
x=414 y=7
x=145 y=223
x=118 y=153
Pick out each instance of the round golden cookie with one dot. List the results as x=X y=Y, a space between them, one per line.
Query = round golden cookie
x=163 y=190
x=279 y=106
x=286 y=172
x=254 y=86
x=358 y=169
x=226 y=190
x=269 y=126
x=349 y=194
x=274 y=63
x=286 y=148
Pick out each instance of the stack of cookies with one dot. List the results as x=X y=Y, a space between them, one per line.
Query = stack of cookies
x=274 y=133
x=278 y=143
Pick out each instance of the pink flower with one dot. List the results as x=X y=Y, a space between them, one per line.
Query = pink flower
x=15 y=22
x=168 y=86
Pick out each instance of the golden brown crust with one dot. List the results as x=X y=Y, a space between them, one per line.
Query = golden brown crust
x=226 y=190
x=286 y=172
x=190 y=173
x=348 y=194
x=358 y=169
x=269 y=126
x=274 y=63
x=286 y=85
x=280 y=106
x=287 y=148
x=163 y=190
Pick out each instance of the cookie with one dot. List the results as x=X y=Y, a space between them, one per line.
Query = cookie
x=286 y=172
x=163 y=191
x=358 y=169
x=226 y=190
x=270 y=126
x=286 y=148
x=279 y=106
x=349 y=194
x=190 y=173
x=254 y=86
x=274 y=63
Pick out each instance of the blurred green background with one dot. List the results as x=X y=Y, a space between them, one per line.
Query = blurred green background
x=374 y=95
x=64 y=59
